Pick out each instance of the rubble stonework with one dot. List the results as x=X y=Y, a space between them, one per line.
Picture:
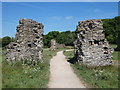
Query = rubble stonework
x=60 y=45
x=53 y=45
x=28 y=44
x=91 y=47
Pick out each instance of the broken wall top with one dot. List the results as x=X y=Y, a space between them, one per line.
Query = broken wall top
x=28 y=44
x=91 y=29
x=91 y=46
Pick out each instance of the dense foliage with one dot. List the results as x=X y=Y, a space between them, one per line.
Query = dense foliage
x=66 y=38
x=49 y=36
x=112 y=26
x=5 y=41
x=0 y=42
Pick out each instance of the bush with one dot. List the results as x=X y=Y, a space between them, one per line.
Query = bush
x=5 y=41
x=111 y=39
x=111 y=29
x=66 y=38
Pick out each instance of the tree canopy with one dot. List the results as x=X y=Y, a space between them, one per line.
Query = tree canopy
x=6 y=40
x=111 y=29
x=66 y=38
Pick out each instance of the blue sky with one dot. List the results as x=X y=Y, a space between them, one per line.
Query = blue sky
x=56 y=16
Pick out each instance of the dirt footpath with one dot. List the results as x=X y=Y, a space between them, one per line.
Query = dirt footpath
x=61 y=74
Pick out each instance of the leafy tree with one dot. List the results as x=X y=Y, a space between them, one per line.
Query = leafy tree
x=66 y=38
x=111 y=27
x=46 y=41
x=110 y=38
x=0 y=42
x=5 y=41
x=47 y=38
x=118 y=42
x=118 y=30
x=12 y=39
x=53 y=34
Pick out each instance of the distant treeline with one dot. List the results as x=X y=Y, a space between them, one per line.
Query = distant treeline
x=111 y=28
x=66 y=38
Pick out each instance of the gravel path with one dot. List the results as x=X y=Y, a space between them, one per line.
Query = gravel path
x=61 y=74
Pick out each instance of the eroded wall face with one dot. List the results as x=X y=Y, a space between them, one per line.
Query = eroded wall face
x=53 y=45
x=28 y=44
x=91 y=47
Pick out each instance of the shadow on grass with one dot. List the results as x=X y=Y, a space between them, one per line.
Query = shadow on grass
x=72 y=60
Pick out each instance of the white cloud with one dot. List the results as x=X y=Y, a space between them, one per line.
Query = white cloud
x=68 y=17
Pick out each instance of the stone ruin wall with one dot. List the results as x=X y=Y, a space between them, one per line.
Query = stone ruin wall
x=61 y=45
x=28 y=44
x=91 y=47
x=53 y=45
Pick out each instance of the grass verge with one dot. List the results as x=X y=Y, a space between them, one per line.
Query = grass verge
x=27 y=76
x=100 y=77
x=115 y=54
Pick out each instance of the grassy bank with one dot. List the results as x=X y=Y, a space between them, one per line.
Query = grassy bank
x=101 y=77
x=115 y=54
x=27 y=76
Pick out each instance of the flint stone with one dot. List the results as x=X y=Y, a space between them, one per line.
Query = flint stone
x=91 y=46
x=28 y=44
x=53 y=45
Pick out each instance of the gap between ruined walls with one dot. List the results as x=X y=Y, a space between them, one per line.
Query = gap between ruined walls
x=91 y=46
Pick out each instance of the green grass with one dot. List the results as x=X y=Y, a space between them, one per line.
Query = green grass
x=115 y=54
x=99 y=77
x=113 y=45
x=27 y=76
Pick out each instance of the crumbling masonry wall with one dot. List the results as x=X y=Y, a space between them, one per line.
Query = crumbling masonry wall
x=91 y=47
x=53 y=45
x=28 y=43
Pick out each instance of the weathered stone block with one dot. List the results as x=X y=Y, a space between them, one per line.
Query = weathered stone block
x=53 y=45
x=28 y=43
x=91 y=47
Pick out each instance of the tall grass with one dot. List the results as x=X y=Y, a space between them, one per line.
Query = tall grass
x=99 y=77
x=115 y=54
x=27 y=76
